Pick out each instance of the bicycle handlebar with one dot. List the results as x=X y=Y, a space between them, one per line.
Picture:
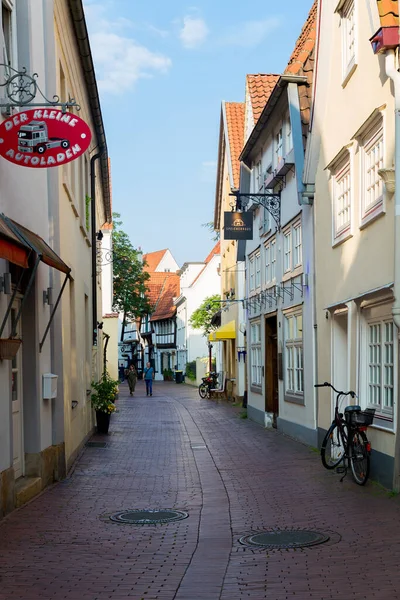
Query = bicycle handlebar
x=326 y=384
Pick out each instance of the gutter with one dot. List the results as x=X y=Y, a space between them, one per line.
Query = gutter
x=276 y=94
x=83 y=46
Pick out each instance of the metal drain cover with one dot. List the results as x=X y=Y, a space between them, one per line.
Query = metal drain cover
x=148 y=517
x=96 y=444
x=285 y=538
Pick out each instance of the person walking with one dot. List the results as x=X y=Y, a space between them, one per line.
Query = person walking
x=132 y=378
x=148 y=377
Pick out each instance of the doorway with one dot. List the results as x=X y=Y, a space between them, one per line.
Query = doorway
x=271 y=369
x=16 y=392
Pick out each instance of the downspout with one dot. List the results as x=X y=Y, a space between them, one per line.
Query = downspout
x=391 y=71
x=94 y=243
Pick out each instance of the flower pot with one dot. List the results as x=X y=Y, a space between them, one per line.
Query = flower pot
x=102 y=421
x=9 y=348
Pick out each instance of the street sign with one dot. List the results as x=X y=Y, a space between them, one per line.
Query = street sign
x=238 y=225
x=43 y=138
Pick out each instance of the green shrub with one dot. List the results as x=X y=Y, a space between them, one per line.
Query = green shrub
x=191 y=370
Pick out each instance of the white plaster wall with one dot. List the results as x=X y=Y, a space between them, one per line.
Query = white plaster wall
x=107 y=272
x=167 y=263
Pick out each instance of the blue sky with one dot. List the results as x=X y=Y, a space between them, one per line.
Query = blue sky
x=163 y=68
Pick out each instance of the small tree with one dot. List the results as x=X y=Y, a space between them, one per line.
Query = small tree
x=202 y=316
x=129 y=277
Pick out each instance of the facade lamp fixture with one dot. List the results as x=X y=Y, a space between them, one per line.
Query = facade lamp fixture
x=388 y=178
x=99 y=235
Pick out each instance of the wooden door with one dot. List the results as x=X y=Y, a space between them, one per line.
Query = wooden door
x=271 y=368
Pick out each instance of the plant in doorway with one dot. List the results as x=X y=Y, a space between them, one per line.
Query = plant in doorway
x=168 y=375
x=103 y=401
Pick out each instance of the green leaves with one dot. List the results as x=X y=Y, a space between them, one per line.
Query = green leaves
x=129 y=277
x=201 y=318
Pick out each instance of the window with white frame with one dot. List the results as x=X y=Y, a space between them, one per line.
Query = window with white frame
x=372 y=155
x=297 y=246
x=348 y=25
x=289 y=137
x=278 y=146
x=293 y=331
x=381 y=366
x=255 y=354
x=252 y=273
x=7 y=31
x=287 y=250
x=273 y=259
x=258 y=176
x=257 y=259
x=342 y=198
x=267 y=263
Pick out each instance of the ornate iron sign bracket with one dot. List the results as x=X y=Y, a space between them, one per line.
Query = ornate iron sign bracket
x=272 y=202
x=21 y=89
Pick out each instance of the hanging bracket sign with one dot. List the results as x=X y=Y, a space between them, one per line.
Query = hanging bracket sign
x=43 y=138
x=238 y=225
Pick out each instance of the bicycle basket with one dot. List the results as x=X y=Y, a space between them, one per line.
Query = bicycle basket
x=363 y=417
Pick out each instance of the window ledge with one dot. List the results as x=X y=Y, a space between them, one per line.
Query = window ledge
x=373 y=213
x=342 y=237
x=295 y=398
x=292 y=274
x=349 y=74
x=257 y=389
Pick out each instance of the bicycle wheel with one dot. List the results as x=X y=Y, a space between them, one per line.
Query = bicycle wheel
x=359 y=457
x=203 y=389
x=334 y=446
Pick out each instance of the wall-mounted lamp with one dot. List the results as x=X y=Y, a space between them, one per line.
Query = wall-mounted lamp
x=388 y=178
x=48 y=296
x=5 y=283
x=99 y=325
x=99 y=235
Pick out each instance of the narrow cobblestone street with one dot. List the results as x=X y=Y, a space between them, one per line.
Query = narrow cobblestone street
x=233 y=478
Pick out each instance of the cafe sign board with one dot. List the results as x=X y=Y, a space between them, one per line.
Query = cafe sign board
x=238 y=225
x=43 y=138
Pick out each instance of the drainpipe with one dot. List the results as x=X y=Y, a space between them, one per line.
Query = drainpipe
x=94 y=243
x=391 y=71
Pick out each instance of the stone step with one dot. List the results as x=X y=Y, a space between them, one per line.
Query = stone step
x=27 y=488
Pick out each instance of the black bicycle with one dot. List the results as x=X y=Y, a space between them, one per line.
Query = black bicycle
x=208 y=383
x=346 y=441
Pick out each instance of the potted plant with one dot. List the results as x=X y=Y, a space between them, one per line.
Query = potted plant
x=168 y=375
x=103 y=401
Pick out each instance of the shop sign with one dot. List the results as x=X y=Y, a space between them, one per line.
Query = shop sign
x=42 y=138
x=238 y=225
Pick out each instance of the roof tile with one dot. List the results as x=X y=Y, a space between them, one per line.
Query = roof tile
x=388 y=13
x=260 y=87
x=153 y=259
x=167 y=291
x=235 y=123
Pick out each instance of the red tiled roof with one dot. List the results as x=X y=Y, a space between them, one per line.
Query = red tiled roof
x=167 y=291
x=214 y=251
x=388 y=13
x=235 y=124
x=301 y=63
x=260 y=87
x=153 y=259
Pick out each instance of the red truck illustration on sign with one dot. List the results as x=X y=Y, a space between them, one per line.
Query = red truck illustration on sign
x=43 y=138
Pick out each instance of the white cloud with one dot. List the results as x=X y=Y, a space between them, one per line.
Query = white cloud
x=250 y=33
x=119 y=59
x=193 y=32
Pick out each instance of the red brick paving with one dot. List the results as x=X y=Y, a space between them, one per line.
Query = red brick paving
x=63 y=546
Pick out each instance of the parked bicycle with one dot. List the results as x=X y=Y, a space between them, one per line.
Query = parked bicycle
x=346 y=441
x=209 y=382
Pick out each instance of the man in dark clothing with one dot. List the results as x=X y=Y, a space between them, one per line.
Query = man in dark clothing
x=132 y=378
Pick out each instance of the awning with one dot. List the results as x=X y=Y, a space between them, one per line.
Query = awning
x=12 y=248
x=225 y=332
x=38 y=245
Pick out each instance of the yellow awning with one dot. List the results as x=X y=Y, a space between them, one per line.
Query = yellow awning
x=225 y=332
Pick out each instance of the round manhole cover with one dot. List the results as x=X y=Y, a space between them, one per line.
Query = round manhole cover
x=285 y=538
x=148 y=517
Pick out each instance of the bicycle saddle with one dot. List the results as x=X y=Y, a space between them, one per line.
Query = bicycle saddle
x=353 y=408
